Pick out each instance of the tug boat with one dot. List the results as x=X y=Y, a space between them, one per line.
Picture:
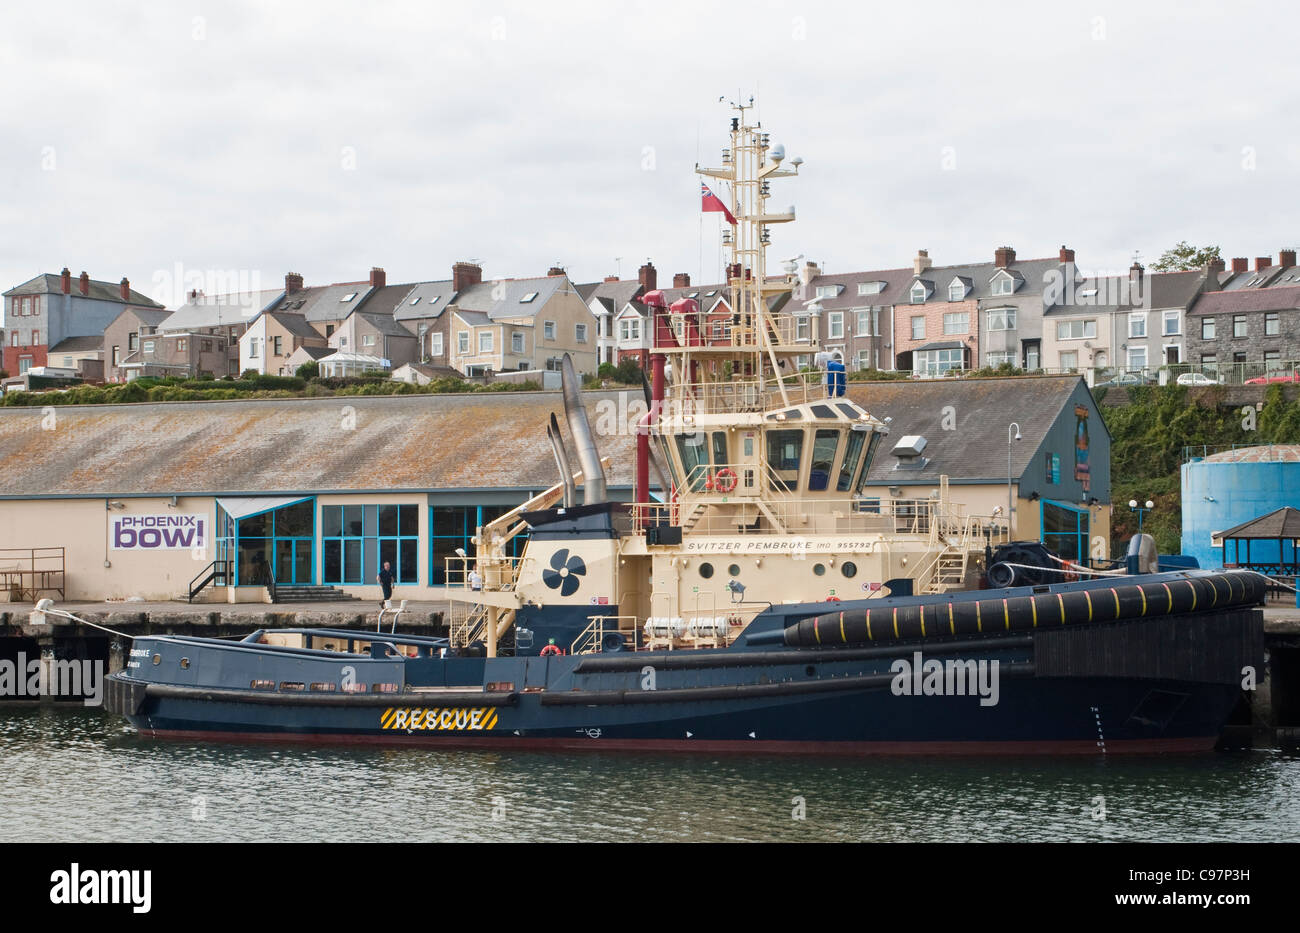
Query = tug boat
x=763 y=603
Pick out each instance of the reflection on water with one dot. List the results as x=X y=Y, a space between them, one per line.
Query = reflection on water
x=80 y=775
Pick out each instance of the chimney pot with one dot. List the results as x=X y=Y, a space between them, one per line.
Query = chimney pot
x=66 y=283
x=1286 y=258
x=682 y=280
x=1067 y=255
x=84 y=282
x=1004 y=256
x=292 y=283
x=1240 y=264
x=378 y=278
x=465 y=274
x=126 y=289
x=1263 y=262
x=611 y=278
x=648 y=277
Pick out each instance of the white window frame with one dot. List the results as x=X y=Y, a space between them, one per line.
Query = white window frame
x=958 y=319
x=548 y=330
x=580 y=333
x=1137 y=358
x=870 y=288
x=1176 y=318
x=462 y=342
x=1001 y=318
x=1276 y=322
x=1069 y=360
x=1003 y=285
x=1209 y=328
x=835 y=325
x=435 y=344
x=918 y=318
x=917 y=299
x=1137 y=324
x=517 y=342
x=960 y=288
x=252 y=348
x=486 y=346
x=1087 y=329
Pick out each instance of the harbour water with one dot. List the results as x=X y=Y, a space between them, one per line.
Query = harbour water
x=77 y=775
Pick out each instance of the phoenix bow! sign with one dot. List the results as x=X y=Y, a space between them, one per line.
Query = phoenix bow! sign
x=159 y=532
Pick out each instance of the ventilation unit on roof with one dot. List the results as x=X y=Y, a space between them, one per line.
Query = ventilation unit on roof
x=909 y=450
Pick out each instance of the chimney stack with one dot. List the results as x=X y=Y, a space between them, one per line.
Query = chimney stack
x=126 y=289
x=1263 y=262
x=1067 y=255
x=378 y=278
x=922 y=261
x=66 y=283
x=555 y=270
x=1004 y=256
x=1240 y=264
x=292 y=283
x=647 y=276
x=1135 y=271
x=84 y=284
x=1212 y=270
x=611 y=278
x=465 y=274
x=682 y=280
x=1286 y=258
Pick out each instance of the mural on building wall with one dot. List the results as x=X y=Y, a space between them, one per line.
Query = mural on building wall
x=1081 y=472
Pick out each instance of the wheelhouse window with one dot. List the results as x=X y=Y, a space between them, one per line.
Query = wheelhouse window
x=695 y=459
x=857 y=442
x=825 y=444
x=784 y=455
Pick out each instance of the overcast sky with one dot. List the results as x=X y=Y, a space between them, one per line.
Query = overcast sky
x=325 y=138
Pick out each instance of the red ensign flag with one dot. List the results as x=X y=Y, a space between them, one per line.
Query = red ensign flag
x=714 y=203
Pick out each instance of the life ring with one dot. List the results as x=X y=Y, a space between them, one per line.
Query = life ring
x=725 y=480
x=1070 y=576
x=550 y=651
x=832 y=599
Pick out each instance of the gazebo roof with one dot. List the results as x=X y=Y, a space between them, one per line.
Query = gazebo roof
x=1282 y=523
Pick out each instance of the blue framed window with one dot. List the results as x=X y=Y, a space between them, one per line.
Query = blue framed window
x=1066 y=530
x=356 y=541
x=454 y=526
x=276 y=542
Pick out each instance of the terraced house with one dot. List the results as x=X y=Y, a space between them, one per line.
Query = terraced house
x=1250 y=327
x=46 y=310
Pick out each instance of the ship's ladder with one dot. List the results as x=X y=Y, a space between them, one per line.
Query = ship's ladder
x=949 y=572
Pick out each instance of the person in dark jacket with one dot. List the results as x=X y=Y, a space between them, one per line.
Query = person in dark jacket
x=385 y=580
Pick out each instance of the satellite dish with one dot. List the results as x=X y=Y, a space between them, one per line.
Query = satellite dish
x=778 y=153
x=797 y=161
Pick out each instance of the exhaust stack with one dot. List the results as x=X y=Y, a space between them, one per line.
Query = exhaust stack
x=593 y=474
x=562 y=461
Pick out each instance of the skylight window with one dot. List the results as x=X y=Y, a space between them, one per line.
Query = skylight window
x=710 y=294
x=348 y=297
x=434 y=300
x=415 y=300
x=527 y=298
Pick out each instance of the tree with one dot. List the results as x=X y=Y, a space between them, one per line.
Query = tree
x=1185 y=257
x=308 y=370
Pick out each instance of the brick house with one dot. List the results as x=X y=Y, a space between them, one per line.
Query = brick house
x=44 y=311
x=374 y=333
x=271 y=339
x=857 y=312
x=1248 y=331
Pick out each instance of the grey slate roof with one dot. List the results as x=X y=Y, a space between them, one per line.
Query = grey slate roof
x=326 y=302
x=75 y=344
x=977 y=448
x=501 y=299
x=148 y=316
x=425 y=300
x=384 y=323
x=222 y=310
x=1245 y=300
x=294 y=323
x=401 y=442
x=897 y=282
x=51 y=283
x=613 y=295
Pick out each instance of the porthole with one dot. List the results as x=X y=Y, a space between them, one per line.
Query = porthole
x=706 y=570
x=819 y=569
x=849 y=569
x=157 y=659
x=185 y=663
x=734 y=570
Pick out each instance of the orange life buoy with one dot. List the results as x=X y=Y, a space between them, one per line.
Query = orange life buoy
x=725 y=480
x=550 y=651
x=832 y=599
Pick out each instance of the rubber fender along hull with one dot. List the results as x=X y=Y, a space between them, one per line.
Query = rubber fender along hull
x=942 y=617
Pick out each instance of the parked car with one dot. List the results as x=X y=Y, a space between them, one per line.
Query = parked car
x=1196 y=379
x=1277 y=375
x=1125 y=379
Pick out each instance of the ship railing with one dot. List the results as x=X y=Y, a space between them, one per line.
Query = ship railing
x=466 y=623
x=496 y=574
x=742 y=394
x=592 y=639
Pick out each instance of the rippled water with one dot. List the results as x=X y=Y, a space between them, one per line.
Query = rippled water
x=73 y=775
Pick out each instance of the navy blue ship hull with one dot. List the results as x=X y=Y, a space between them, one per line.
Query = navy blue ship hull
x=1154 y=682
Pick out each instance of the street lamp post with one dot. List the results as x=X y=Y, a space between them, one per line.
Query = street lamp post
x=1010 y=499
x=1142 y=511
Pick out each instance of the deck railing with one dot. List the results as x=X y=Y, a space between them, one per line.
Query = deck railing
x=25 y=573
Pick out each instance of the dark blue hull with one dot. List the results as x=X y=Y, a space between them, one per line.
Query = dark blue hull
x=1147 y=681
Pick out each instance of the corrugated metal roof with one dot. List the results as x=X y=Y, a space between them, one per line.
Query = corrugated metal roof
x=282 y=446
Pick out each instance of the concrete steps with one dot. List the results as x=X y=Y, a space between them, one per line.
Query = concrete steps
x=286 y=593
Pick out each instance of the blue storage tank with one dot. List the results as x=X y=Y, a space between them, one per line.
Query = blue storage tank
x=1230 y=487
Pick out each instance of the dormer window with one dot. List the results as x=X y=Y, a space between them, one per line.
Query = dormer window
x=870 y=288
x=956 y=290
x=828 y=291
x=918 y=294
x=1003 y=285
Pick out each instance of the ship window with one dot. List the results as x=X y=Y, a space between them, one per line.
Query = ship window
x=819 y=569
x=720 y=448
x=823 y=456
x=706 y=570
x=852 y=453
x=848 y=409
x=794 y=414
x=784 y=454
x=263 y=685
x=324 y=687
x=822 y=411
x=734 y=570
x=849 y=569
x=292 y=685
x=383 y=688
x=866 y=461
x=695 y=458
